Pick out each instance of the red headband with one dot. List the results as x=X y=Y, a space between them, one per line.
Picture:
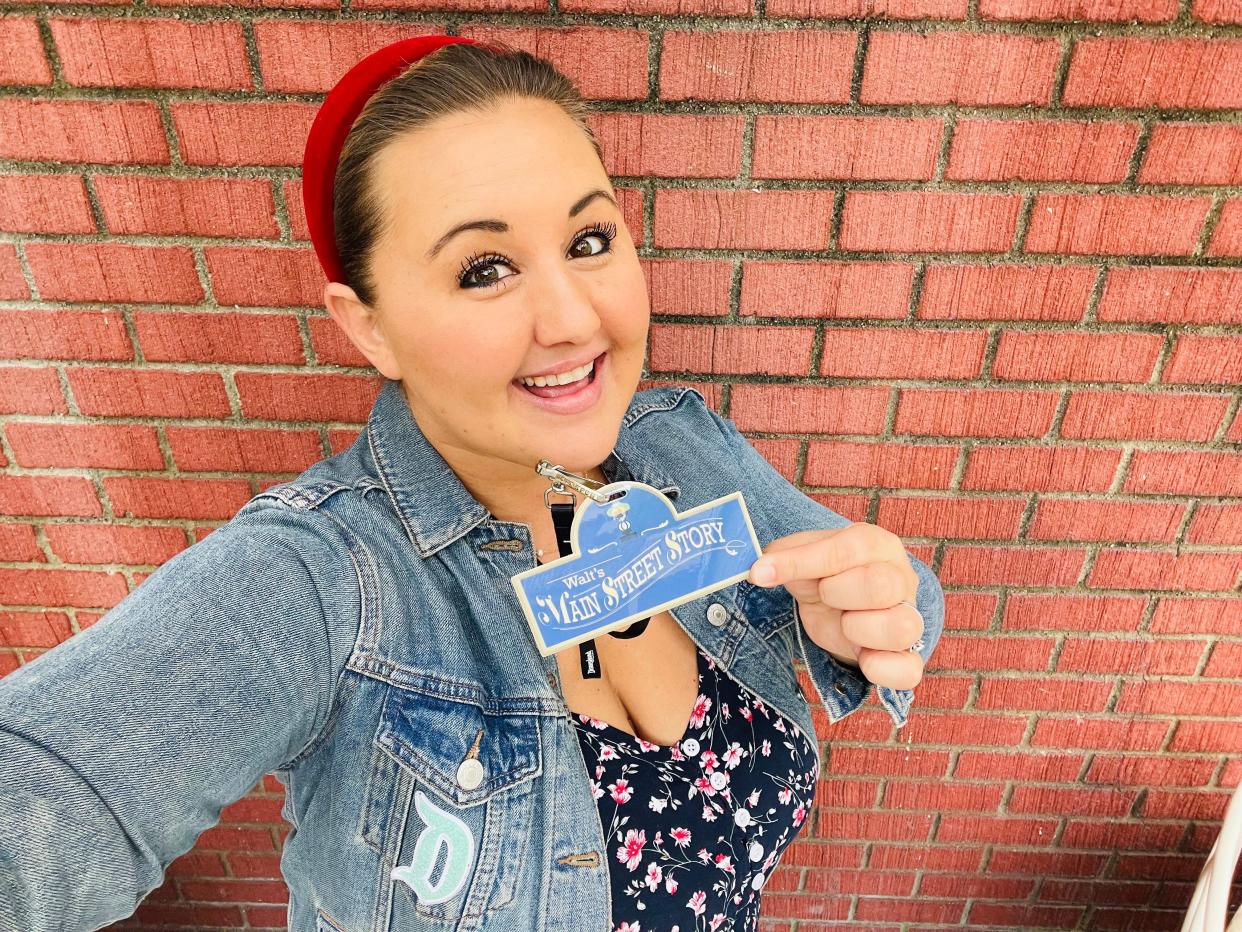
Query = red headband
x=332 y=124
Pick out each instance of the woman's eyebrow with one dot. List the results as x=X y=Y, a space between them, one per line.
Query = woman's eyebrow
x=499 y=226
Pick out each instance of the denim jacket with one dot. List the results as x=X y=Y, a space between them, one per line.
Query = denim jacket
x=354 y=630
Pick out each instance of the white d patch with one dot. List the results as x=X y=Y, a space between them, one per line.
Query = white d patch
x=443 y=830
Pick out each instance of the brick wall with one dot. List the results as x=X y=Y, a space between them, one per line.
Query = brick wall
x=968 y=269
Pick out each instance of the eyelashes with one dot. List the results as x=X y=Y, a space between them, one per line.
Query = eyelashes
x=605 y=231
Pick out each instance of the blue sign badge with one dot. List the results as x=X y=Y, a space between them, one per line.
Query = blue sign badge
x=632 y=557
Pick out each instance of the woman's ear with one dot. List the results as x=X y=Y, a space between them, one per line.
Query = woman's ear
x=362 y=325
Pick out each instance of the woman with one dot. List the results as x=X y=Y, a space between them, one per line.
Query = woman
x=355 y=629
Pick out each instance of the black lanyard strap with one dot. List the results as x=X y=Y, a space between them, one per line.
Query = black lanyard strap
x=588 y=657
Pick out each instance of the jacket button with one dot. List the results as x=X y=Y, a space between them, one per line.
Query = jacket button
x=717 y=614
x=469 y=773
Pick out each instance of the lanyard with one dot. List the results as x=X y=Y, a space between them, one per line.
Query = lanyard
x=562 y=520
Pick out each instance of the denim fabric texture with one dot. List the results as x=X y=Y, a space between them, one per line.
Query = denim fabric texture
x=354 y=631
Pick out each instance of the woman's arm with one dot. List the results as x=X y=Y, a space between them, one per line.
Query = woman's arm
x=785 y=510
x=119 y=747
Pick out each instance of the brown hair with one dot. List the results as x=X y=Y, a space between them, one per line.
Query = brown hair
x=460 y=76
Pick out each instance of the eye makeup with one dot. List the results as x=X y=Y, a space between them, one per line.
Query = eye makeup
x=472 y=264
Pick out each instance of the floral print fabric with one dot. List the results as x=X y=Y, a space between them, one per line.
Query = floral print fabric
x=694 y=829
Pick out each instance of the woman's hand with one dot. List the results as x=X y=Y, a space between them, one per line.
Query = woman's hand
x=850 y=584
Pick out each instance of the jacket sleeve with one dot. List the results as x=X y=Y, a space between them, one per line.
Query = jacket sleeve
x=781 y=510
x=121 y=745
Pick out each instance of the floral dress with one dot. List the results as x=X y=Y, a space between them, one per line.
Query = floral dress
x=693 y=829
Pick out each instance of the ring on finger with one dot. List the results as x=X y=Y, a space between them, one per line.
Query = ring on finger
x=917 y=645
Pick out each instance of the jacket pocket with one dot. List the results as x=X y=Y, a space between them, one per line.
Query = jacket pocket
x=459 y=851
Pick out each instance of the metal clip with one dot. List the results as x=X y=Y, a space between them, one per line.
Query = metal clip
x=562 y=477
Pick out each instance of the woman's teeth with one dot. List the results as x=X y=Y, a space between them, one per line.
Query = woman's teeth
x=573 y=375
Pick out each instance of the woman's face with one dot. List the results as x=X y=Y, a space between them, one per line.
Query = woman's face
x=551 y=282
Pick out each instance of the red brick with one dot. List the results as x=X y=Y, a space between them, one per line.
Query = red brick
x=889 y=465
x=1116 y=224
x=1056 y=694
x=1190 y=473
x=1155 y=770
x=809 y=853
x=943 y=795
x=1072 y=801
x=13 y=285
x=1128 y=415
x=1047 y=863
x=804 y=66
x=1220 y=699
x=1099 y=733
x=311 y=56
x=696 y=218
x=968 y=412
x=1106 y=892
x=1194 y=804
x=698 y=287
x=157 y=497
x=958 y=68
x=38 y=334
x=259 y=133
x=874 y=353
x=1203 y=359
x=1041 y=150
x=22 y=59
x=1006 y=292
x=847 y=794
x=1193 y=153
x=25 y=390
x=69 y=446
x=1151 y=294
x=926 y=857
x=148 y=393
x=867 y=826
x=830 y=147
x=924 y=516
x=198 y=207
x=1144 y=11
x=1227 y=236
x=1197 y=616
x=1159 y=867
x=1207 y=736
x=1042 y=468
x=19 y=545
x=1088 y=519
x=109 y=271
x=1117 y=568
x=1217 y=11
x=67 y=587
x=998 y=830
x=810 y=409
x=34 y=629
x=864 y=882
x=928 y=221
x=1133 y=71
x=117 y=132
x=976 y=886
x=870 y=909
x=1026 y=916
x=296 y=397
x=44 y=204
x=738 y=349
x=868 y=9
x=994 y=652
x=1039 y=611
x=873 y=290
x=670 y=144
x=115 y=543
x=1076 y=356
x=272 y=339
x=872 y=761
x=152 y=53
x=262 y=277
x=225 y=449
x=1216 y=523
x=1149 y=657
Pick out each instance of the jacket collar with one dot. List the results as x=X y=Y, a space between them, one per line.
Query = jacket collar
x=433 y=504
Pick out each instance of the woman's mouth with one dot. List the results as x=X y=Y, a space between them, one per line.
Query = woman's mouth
x=571 y=398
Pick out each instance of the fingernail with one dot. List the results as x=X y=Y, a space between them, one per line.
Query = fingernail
x=763 y=573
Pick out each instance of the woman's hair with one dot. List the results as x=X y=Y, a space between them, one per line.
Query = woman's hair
x=460 y=76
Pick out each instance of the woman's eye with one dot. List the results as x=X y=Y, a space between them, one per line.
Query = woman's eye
x=472 y=277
